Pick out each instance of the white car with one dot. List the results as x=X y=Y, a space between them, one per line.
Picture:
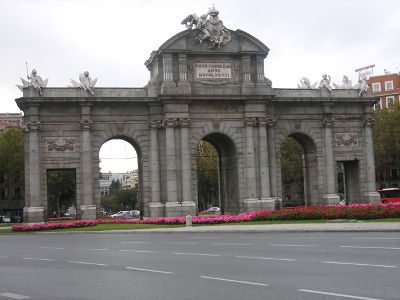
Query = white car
x=122 y=214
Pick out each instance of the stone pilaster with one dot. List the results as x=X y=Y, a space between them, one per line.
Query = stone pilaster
x=246 y=68
x=156 y=206
x=371 y=195
x=168 y=86
x=34 y=210
x=330 y=196
x=260 y=69
x=183 y=84
x=272 y=155
x=87 y=206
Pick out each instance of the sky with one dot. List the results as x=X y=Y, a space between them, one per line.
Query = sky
x=113 y=38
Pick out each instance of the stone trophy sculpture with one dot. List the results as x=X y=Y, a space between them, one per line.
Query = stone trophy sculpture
x=346 y=84
x=208 y=27
x=85 y=82
x=306 y=84
x=35 y=81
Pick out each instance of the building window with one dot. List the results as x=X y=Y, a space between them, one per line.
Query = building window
x=376 y=87
x=388 y=85
x=377 y=104
x=389 y=101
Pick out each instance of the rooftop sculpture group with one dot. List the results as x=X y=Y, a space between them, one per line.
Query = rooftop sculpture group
x=85 y=82
x=208 y=27
x=325 y=83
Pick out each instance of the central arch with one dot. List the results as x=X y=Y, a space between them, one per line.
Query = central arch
x=138 y=151
x=227 y=171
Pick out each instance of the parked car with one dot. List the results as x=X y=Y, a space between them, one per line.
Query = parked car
x=135 y=213
x=123 y=214
x=390 y=195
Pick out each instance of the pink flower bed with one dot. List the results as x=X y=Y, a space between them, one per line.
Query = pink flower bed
x=216 y=219
x=50 y=226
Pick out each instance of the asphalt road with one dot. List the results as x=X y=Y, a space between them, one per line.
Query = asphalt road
x=186 y=266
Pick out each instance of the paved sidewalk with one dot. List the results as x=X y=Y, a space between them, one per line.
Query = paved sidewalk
x=312 y=227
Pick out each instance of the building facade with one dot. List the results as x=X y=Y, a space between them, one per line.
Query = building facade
x=387 y=88
x=204 y=85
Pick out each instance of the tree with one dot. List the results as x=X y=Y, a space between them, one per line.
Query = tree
x=12 y=160
x=61 y=192
x=207 y=175
x=123 y=199
x=386 y=138
x=292 y=166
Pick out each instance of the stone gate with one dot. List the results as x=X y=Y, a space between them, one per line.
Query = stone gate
x=206 y=83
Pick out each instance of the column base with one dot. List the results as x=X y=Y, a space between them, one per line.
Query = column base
x=184 y=88
x=175 y=209
x=331 y=199
x=88 y=212
x=255 y=204
x=156 y=209
x=372 y=197
x=34 y=214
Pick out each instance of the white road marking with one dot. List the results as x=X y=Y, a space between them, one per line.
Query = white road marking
x=92 y=249
x=290 y=245
x=205 y=237
x=337 y=295
x=149 y=270
x=138 y=251
x=199 y=254
x=267 y=258
x=135 y=242
x=183 y=243
x=231 y=244
x=87 y=263
x=361 y=247
x=357 y=264
x=54 y=248
x=15 y=296
x=235 y=281
x=376 y=238
x=3 y=257
x=34 y=258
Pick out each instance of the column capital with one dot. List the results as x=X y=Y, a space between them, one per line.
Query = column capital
x=328 y=122
x=155 y=124
x=368 y=122
x=250 y=122
x=86 y=124
x=185 y=122
x=170 y=123
x=33 y=126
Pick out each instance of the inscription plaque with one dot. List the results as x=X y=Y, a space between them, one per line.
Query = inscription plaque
x=213 y=70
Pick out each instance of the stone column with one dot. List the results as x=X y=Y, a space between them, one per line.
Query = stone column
x=330 y=197
x=188 y=206
x=87 y=205
x=251 y=200
x=172 y=197
x=156 y=206
x=371 y=195
x=265 y=190
x=34 y=209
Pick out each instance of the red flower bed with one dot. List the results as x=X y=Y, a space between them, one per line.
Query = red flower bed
x=49 y=226
x=355 y=211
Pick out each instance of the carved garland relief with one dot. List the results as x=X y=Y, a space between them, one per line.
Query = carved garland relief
x=60 y=144
x=346 y=139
